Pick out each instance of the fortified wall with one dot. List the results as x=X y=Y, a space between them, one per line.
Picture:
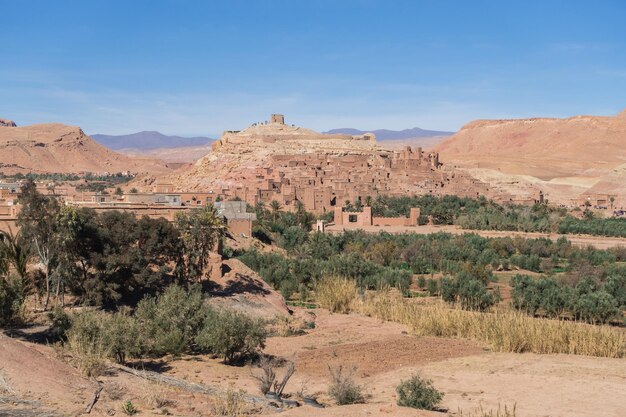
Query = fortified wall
x=365 y=218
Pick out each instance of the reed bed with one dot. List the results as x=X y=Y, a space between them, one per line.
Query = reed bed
x=502 y=330
x=336 y=294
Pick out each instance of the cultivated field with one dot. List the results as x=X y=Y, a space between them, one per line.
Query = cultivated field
x=600 y=242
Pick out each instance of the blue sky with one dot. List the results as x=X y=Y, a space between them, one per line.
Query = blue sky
x=200 y=67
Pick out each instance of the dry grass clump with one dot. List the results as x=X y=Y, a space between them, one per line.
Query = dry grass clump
x=500 y=412
x=503 y=330
x=88 y=355
x=231 y=403
x=156 y=395
x=343 y=388
x=336 y=294
x=5 y=384
x=287 y=326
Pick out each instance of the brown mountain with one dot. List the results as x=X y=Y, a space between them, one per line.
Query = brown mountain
x=565 y=156
x=64 y=149
x=545 y=148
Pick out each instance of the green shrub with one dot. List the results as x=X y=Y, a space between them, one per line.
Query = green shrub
x=596 y=307
x=96 y=336
x=123 y=335
x=467 y=292
x=421 y=282
x=418 y=392
x=232 y=335
x=11 y=301
x=60 y=323
x=170 y=321
x=343 y=389
x=433 y=287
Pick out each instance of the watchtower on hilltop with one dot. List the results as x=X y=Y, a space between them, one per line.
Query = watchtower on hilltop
x=278 y=118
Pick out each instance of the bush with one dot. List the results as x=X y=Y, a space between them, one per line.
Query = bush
x=336 y=294
x=433 y=287
x=268 y=380
x=467 y=292
x=343 y=389
x=11 y=301
x=232 y=335
x=171 y=321
x=60 y=323
x=596 y=307
x=418 y=392
x=96 y=336
x=122 y=334
x=421 y=282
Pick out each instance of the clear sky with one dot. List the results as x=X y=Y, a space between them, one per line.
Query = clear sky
x=200 y=67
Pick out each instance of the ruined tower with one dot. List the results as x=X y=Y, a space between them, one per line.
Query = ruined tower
x=278 y=118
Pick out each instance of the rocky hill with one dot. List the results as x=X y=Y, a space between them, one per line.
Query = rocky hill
x=545 y=148
x=274 y=161
x=64 y=149
x=569 y=156
x=235 y=156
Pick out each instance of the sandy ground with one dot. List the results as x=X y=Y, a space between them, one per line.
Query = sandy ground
x=383 y=353
x=599 y=242
x=469 y=374
x=539 y=385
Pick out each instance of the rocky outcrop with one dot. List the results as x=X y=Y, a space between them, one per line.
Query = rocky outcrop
x=7 y=123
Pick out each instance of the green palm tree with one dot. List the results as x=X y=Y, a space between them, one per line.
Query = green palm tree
x=276 y=208
x=201 y=231
x=14 y=251
x=261 y=210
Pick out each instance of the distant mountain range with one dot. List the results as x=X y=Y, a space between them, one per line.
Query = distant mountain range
x=385 y=134
x=148 y=140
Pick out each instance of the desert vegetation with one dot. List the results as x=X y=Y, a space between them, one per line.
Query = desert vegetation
x=175 y=322
x=467 y=264
x=503 y=330
x=590 y=299
x=102 y=259
x=483 y=214
x=418 y=392
x=343 y=387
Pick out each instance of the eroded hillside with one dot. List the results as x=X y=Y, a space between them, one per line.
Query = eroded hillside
x=58 y=148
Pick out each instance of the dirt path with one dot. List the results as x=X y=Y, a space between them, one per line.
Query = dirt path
x=599 y=242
